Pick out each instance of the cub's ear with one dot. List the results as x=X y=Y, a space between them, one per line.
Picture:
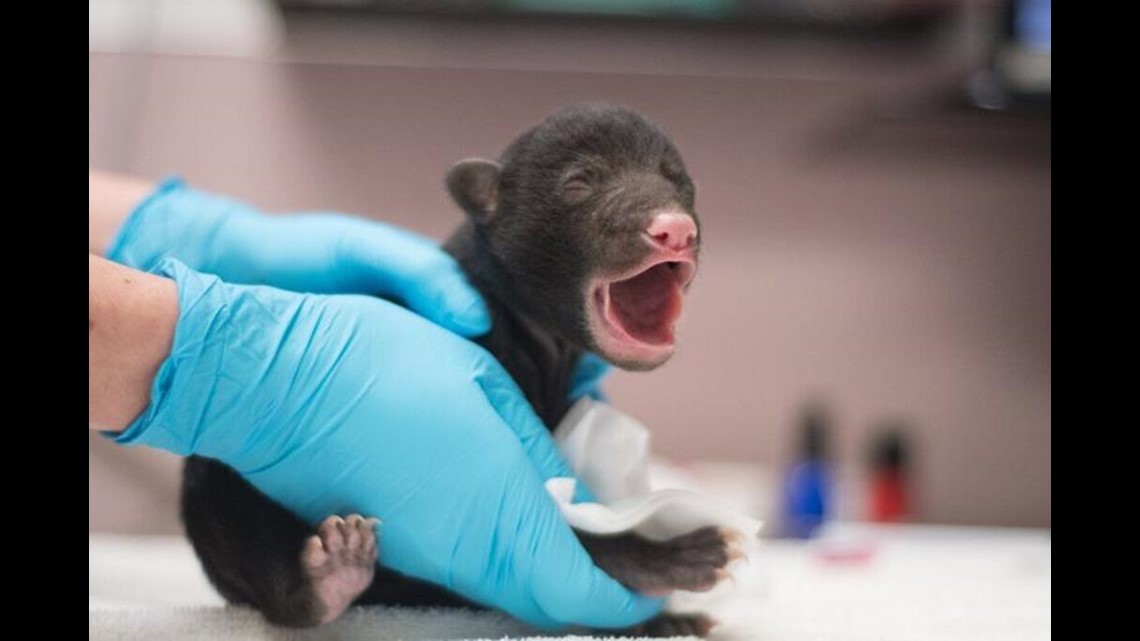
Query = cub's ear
x=474 y=185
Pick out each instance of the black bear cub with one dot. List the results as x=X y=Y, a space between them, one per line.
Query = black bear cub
x=583 y=237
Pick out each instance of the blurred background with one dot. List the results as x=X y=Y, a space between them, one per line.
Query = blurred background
x=873 y=178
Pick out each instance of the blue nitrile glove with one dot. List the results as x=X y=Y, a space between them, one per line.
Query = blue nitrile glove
x=323 y=253
x=587 y=377
x=351 y=404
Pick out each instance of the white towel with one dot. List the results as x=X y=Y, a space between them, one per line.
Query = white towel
x=609 y=451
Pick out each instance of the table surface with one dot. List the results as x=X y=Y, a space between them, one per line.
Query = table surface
x=856 y=582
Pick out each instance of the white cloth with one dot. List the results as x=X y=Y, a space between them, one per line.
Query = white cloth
x=609 y=451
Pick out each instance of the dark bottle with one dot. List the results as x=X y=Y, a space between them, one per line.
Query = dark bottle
x=808 y=488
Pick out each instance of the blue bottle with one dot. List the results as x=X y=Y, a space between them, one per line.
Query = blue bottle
x=807 y=496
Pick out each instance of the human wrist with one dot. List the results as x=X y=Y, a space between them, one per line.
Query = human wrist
x=110 y=199
x=202 y=398
x=175 y=220
x=131 y=325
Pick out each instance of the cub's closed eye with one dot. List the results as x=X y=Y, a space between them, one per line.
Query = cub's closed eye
x=576 y=187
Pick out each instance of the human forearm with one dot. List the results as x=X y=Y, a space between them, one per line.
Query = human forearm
x=130 y=330
x=110 y=197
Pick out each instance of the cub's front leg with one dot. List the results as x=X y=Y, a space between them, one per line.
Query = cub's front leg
x=694 y=562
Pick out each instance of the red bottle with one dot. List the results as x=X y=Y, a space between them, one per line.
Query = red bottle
x=890 y=495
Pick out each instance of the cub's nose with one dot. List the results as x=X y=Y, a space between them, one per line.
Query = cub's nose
x=673 y=231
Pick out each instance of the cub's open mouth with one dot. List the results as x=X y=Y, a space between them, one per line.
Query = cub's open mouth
x=632 y=316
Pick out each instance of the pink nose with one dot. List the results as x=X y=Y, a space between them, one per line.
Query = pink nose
x=675 y=231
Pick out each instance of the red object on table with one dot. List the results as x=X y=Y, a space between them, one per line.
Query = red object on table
x=888 y=502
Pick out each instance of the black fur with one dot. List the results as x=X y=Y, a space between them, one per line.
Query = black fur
x=573 y=197
x=567 y=200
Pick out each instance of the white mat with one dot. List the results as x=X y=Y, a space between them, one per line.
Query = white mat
x=919 y=584
x=371 y=624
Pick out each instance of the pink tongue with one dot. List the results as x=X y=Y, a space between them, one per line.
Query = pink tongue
x=646 y=305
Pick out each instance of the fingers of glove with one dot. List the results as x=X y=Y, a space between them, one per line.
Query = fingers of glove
x=444 y=296
x=413 y=268
x=588 y=375
x=574 y=590
x=509 y=403
x=537 y=569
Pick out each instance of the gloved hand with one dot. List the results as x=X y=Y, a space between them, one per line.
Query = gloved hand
x=587 y=378
x=324 y=253
x=340 y=404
